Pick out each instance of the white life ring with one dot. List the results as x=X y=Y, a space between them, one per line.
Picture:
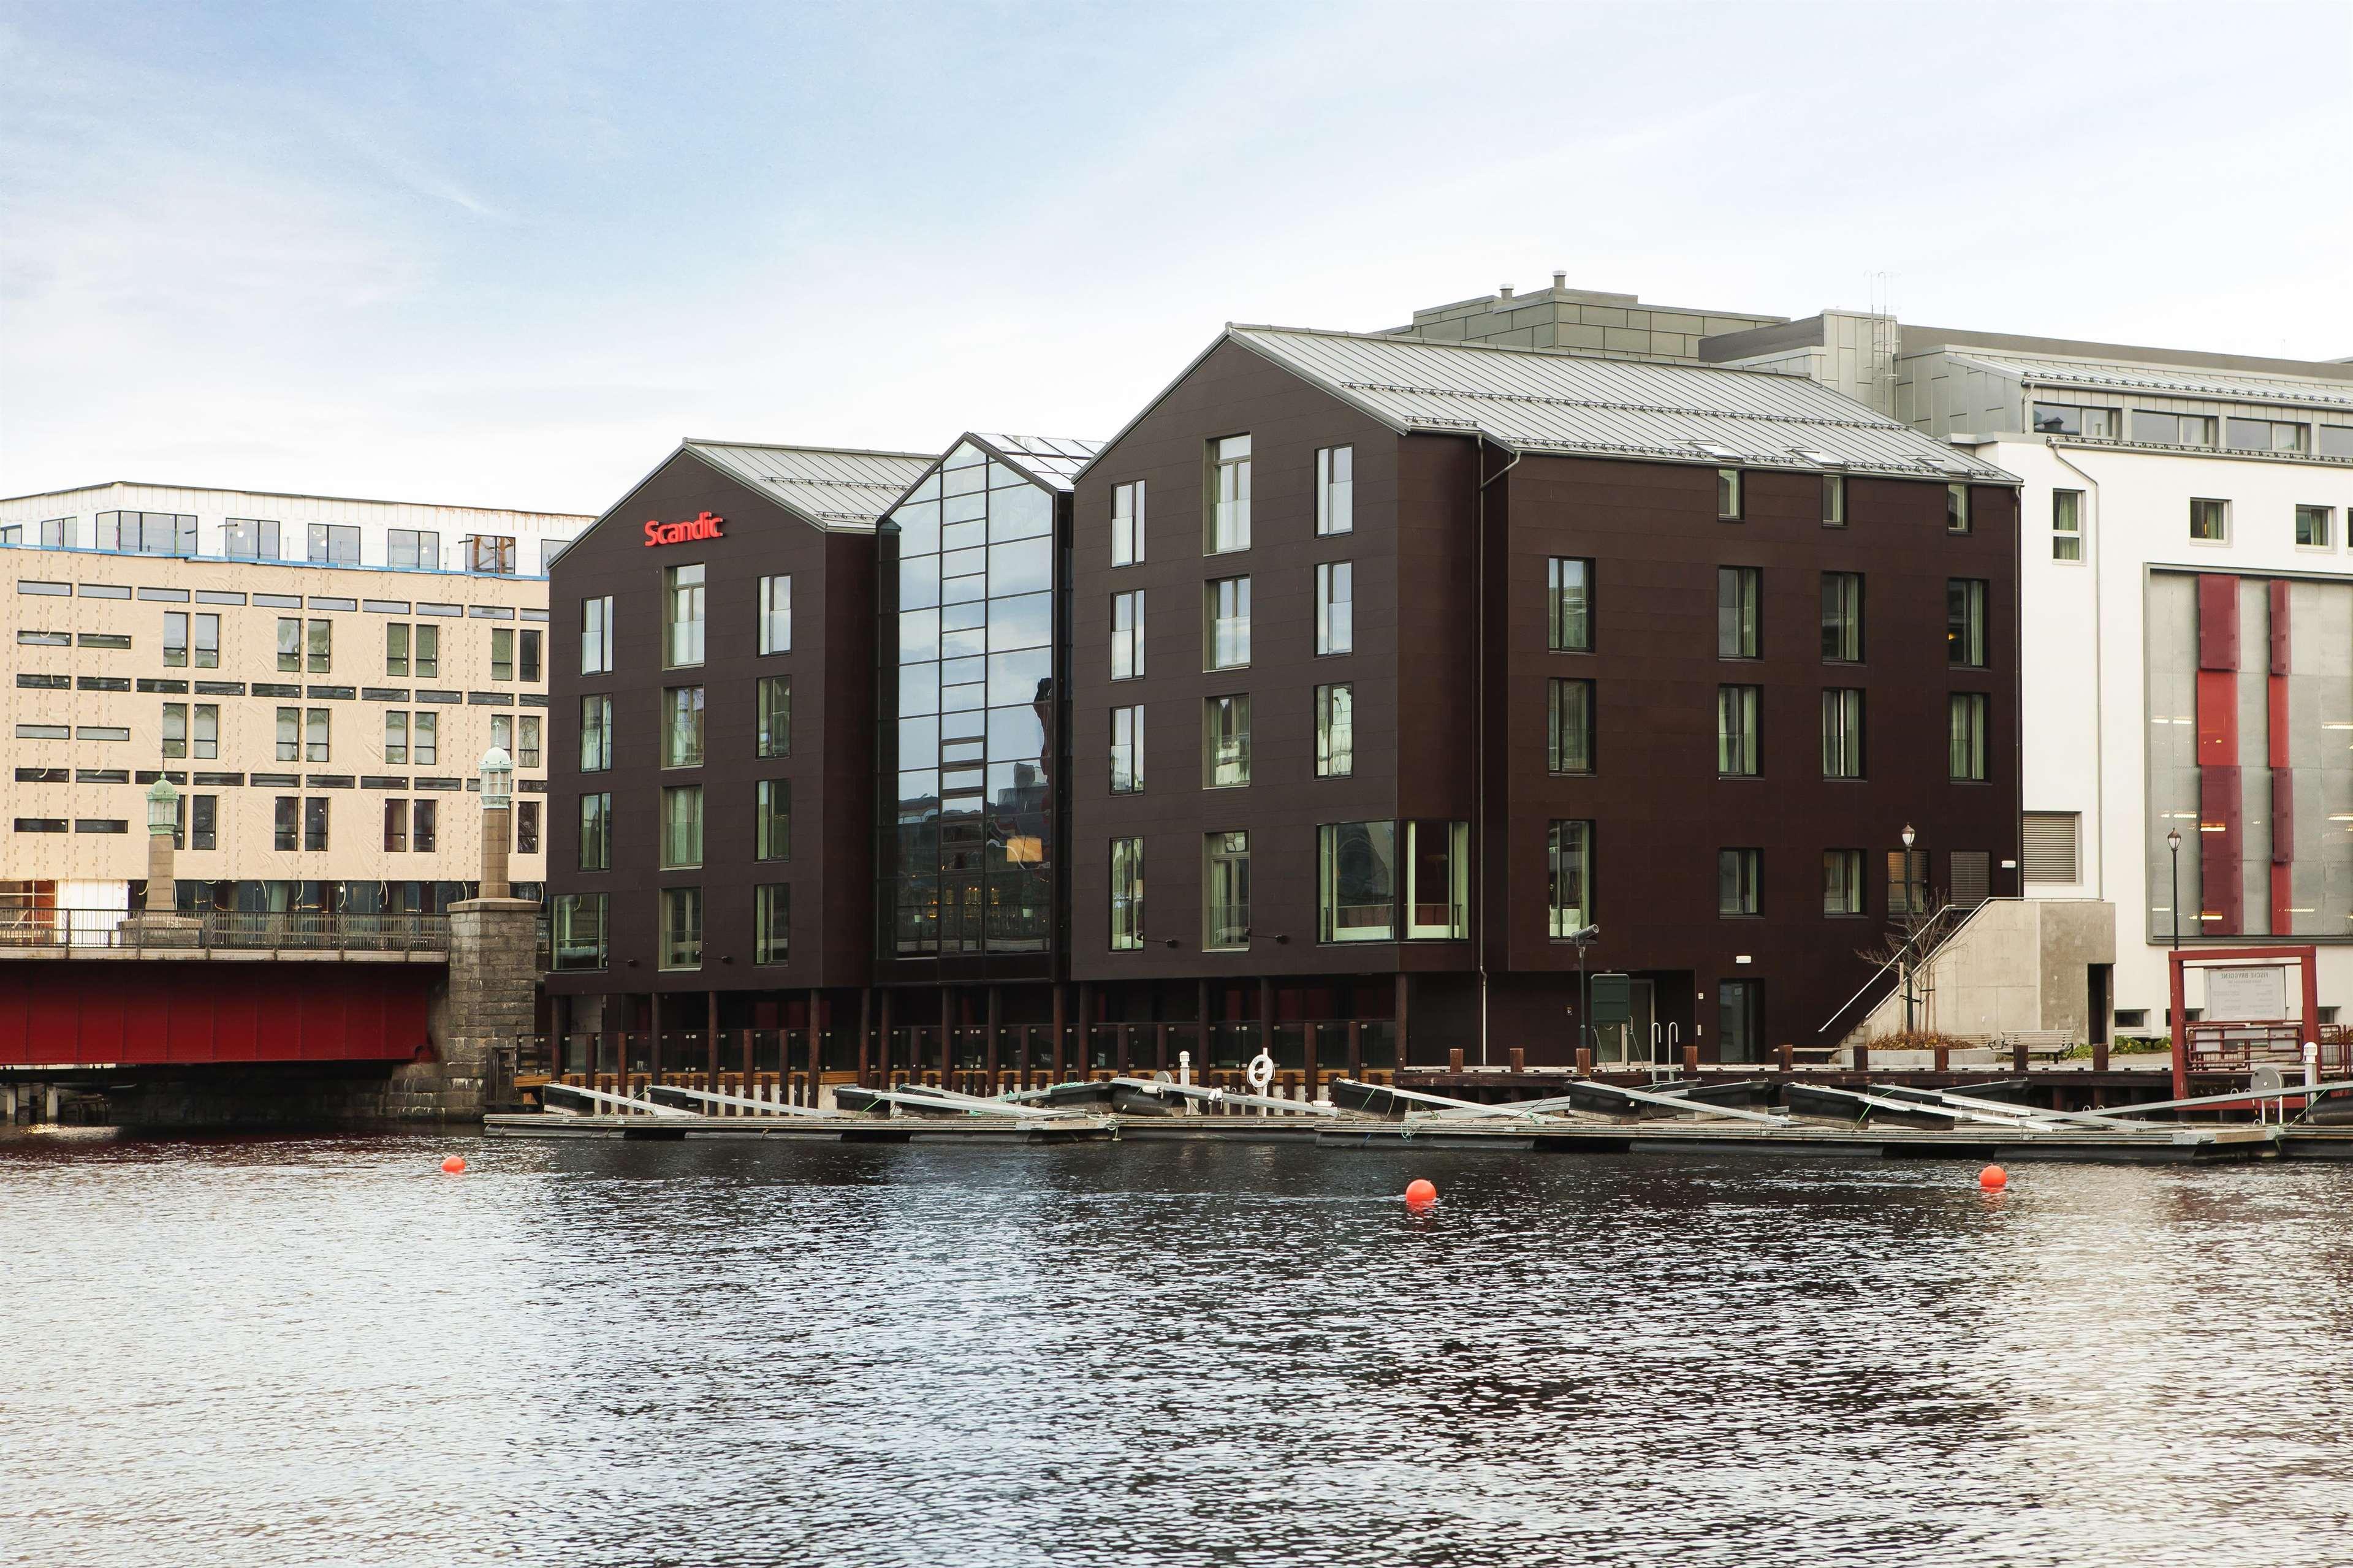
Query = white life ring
x=1261 y=1072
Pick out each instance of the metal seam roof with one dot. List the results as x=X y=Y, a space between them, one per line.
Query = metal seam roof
x=2171 y=380
x=831 y=487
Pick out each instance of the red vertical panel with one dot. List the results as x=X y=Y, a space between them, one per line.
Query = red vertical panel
x=2283 y=898
x=2218 y=719
x=2282 y=816
x=2217 y=623
x=2223 y=902
x=2279 y=625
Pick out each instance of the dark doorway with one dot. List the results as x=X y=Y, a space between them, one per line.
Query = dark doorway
x=1739 y=1019
x=2102 y=977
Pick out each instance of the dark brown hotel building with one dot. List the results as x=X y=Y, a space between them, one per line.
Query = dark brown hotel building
x=1341 y=687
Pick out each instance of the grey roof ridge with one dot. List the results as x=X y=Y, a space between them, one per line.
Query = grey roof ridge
x=802 y=447
x=287 y=495
x=1601 y=356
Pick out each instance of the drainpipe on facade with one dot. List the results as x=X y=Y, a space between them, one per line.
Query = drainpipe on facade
x=1478 y=810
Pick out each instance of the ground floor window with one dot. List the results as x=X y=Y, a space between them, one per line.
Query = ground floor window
x=1225 y=884
x=578 y=930
x=772 y=922
x=1842 y=882
x=1437 y=880
x=1126 y=894
x=1570 y=857
x=682 y=928
x=1356 y=868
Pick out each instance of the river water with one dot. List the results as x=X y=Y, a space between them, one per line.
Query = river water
x=323 y=1350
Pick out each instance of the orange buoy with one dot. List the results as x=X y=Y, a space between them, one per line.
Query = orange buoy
x=455 y=1164
x=1993 y=1178
x=1420 y=1194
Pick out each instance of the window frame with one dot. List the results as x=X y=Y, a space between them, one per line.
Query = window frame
x=1127 y=508
x=1850 y=730
x=1967 y=631
x=1747 y=737
x=769 y=613
x=1859 y=884
x=1556 y=710
x=1213 y=594
x=1747 y=584
x=1559 y=618
x=1977 y=734
x=2067 y=526
x=1126 y=893
x=1741 y=872
x=1127 y=749
x=1226 y=512
x=1844 y=619
x=2220 y=514
x=1335 y=608
x=1127 y=642
x=1234 y=708
x=1335 y=490
x=1335 y=729
x=1731 y=500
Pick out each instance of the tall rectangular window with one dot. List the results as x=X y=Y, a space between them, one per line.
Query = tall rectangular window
x=681 y=617
x=502 y=653
x=682 y=928
x=289 y=644
x=1335 y=490
x=1739 y=877
x=176 y=728
x=1568 y=605
x=526 y=820
x=396 y=826
x=1336 y=606
x=427 y=644
x=1957 y=508
x=204 y=823
x=1225 y=890
x=1569 y=865
x=396 y=650
x=319 y=647
x=289 y=734
x=175 y=637
x=1437 y=880
x=2066 y=525
x=1127 y=635
x=1965 y=622
x=424 y=748
x=1335 y=730
x=772 y=820
x=204 y=735
x=1127 y=524
x=595 y=733
x=526 y=752
x=1907 y=882
x=207 y=640
x=1226 y=623
x=1842 y=733
x=1727 y=495
x=1226 y=742
x=1736 y=730
x=316 y=742
x=597 y=635
x=1229 y=495
x=774 y=726
x=287 y=834
x=528 y=654
x=1739 y=595
x=2316 y=526
x=1843 y=617
x=596 y=832
x=1356 y=881
x=1127 y=749
x=314 y=823
x=772 y=922
x=503 y=733
x=425 y=824
x=396 y=738
x=1127 y=895
x=1966 y=723
x=1569 y=726
x=1833 y=500
x=413 y=547
x=1842 y=882
x=682 y=727
x=776 y=615
x=576 y=927
x=682 y=839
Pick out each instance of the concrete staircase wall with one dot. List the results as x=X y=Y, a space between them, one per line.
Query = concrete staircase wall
x=2014 y=965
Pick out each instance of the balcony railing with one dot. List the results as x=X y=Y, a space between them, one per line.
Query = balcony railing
x=87 y=929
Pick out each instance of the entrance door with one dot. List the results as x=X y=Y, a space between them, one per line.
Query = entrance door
x=2101 y=978
x=1739 y=1019
x=1642 y=1005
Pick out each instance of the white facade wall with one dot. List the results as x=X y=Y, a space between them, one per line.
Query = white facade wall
x=2083 y=638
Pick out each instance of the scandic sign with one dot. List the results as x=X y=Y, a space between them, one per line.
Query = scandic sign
x=706 y=526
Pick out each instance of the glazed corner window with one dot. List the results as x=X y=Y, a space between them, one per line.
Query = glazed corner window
x=1127 y=524
x=1226 y=623
x=1356 y=881
x=1127 y=895
x=2316 y=527
x=774 y=733
x=2066 y=525
x=1739 y=592
x=1225 y=890
x=320 y=645
x=596 y=734
x=1336 y=607
x=1127 y=749
x=1127 y=635
x=413 y=547
x=1335 y=730
x=1843 y=617
x=1736 y=730
x=1833 y=500
x=1738 y=873
x=1569 y=861
x=1957 y=508
x=1226 y=742
x=1842 y=882
x=597 y=635
x=596 y=832
x=772 y=820
x=1229 y=489
x=775 y=614
x=1568 y=605
x=682 y=825
x=681 y=617
x=1335 y=490
x=1968 y=712
x=772 y=922
x=2209 y=520
x=682 y=727
x=1437 y=880
x=502 y=653
x=1569 y=726
x=1842 y=733
x=579 y=930
x=1965 y=622
x=1727 y=495
x=681 y=927
x=491 y=555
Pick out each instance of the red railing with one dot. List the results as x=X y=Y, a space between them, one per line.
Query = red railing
x=2240 y=1047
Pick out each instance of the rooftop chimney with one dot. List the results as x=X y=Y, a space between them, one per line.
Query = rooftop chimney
x=1560 y=281
x=1506 y=291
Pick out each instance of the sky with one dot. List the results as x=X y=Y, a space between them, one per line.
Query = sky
x=508 y=255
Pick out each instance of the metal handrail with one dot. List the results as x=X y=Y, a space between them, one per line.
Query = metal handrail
x=1934 y=922
x=112 y=930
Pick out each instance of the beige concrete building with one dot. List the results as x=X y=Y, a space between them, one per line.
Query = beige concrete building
x=324 y=724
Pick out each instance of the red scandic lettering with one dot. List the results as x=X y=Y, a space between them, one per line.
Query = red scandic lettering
x=707 y=525
x=653 y=533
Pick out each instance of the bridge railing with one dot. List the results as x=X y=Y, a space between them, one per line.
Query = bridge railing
x=93 y=930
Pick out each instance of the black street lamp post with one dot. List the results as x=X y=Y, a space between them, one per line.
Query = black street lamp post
x=2173 y=844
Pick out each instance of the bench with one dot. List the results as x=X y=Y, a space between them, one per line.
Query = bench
x=2041 y=1045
